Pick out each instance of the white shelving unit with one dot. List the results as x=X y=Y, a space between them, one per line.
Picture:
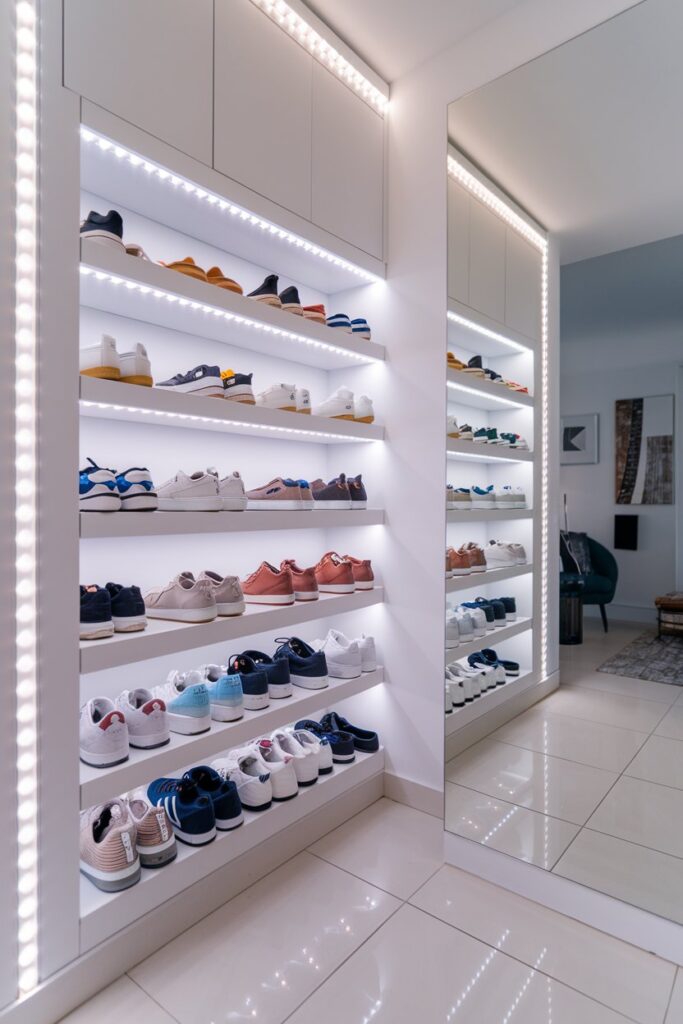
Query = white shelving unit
x=166 y=524
x=473 y=580
x=483 y=394
x=487 y=702
x=481 y=452
x=521 y=625
x=488 y=515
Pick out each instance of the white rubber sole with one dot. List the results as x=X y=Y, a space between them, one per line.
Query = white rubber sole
x=230 y=607
x=280 y=692
x=100 y=503
x=334 y=505
x=183 y=614
x=234 y=504
x=200 y=839
x=343 y=758
x=228 y=824
x=287 y=794
x=311 y=682
x=103 y=238
x=158 y=739
x=96 y=631
x=112 y=881
x=337 y=671
x=269 y=598
x=460 y=572
x=208 y=504
x=336 y=588
x=207 y=389
x=365 y=585
x=146 y=502
x=129 y=623
x=256 y=701
x=306 y=595
x=107 y=760
x=187 y=725
x=239 y=391
x=226 y=712
x=158 y=855
x=266 y=505
x=483 y=504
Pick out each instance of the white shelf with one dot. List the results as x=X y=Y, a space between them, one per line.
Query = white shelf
x=100 y=784
x=487 y=515
x=115 y=401
x=102 y=913
x=115 y=282
x=490 y=640
x=162 y=637
x=164 y=524
x=481 y=452
x=466 y=389
x=487 y=702
x=483 y=335
x=482 y=579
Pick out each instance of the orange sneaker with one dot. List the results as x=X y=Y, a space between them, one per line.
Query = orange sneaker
x=459 y=562
x=316 y=313
x=187 y=267
x=304 y=581
x=476 y=555
x=216 y=276
x=363 y=576
x=268 y=585
x=334 y=574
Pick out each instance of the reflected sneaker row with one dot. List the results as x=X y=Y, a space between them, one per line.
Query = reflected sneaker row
x=110 y=609
x=108 y=490
x=471 y=557
x=473 y=619
x=483 y=671
x=463 y=499
x=475 y=368
x=289 y=494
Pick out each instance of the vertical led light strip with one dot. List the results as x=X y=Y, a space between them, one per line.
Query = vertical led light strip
x=540 y=242
x=26 y=85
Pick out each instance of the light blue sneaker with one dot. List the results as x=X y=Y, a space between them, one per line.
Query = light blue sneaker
x=225 y=693
x=186 y=696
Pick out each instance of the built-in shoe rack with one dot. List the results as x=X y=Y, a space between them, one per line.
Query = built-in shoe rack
x=183 y=323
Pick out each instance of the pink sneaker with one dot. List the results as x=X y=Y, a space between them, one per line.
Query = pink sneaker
x=268 y=585
x=304 y=581
x=278 y=495
x=334 y=574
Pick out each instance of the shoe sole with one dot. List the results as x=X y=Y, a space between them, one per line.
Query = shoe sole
x=363 y=419
x=186 y=725
x=280 y=692
x=194 y=388
x=269 y=598
x=138 y=378
x=208 y=504
x=229 y=608
x=129 y=623
x=306 y=595
x=234 y=504
x=256 y=701
x=161 y=739
x=98 y=631
x=274 y=505
x=100 y=503
x=139 y=502
x=190 y=839
x=158 y=855
x=227 y=713
x=246 y=399
x=336 y=588
x=101 y=760
x=104 y=238
x=311 y=682
x=229 y=824
x=103 y=372
x=270 y=300
x=111 y=881
x=183 y=614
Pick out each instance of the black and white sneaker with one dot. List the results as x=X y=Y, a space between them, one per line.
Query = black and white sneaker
x=104 y=227
x=290 y=301
x=237 y=387
x=202 y=380
x=267 y=292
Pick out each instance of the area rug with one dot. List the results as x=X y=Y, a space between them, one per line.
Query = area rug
x=646 y=657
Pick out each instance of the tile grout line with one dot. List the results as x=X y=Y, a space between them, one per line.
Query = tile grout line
x=573 y=684
x=679 y=970
x=153 y=998
x=570 y=760
x=641 y=846
x=542 y=814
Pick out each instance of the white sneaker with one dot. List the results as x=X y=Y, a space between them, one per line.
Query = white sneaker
x=103 y=733
x=466 y=625
x=338 y=406
x=303 y=400
x=281 y=768
x=278 y=396
x=231 y=490
x=508 y=497
x=368 y=652
x=188 y=706
x=321 y=752
x=98 y=491
x=477 y=617
x=137 y=492
x=471 y=681
x=135 y=367
x=520 y=551
x=343 y=656
x=101 y=360
x=146 y=718
x=452 y=428
x=363 y=411
x=305 y=761
x=196 y=493
x=501 y=556
x=457 y=689
x=452 y=632
x=242 y=767
x=448 y=700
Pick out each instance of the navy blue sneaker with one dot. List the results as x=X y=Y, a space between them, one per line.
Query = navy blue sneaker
x=267 y=292
x=489 y=657
x=510 y=605
x=127 y=608
x=496 y=606
x=190 y=812
x=277 y=673
x=363 y=739
x=202 y=380
x=254 y=681
x=96 y=620
x=237 y=387
x=359 y=497
x=307 y=668
x=223 y=794
x=485 y=607
x=341 y=743
x=104 y=227
x=290 y=301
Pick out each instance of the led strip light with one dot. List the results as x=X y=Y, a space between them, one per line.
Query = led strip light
x=486 y=332
x=475 y=455
x=25 y=313
x=535 y=238
x=456 y=386
x=307 y=37
x=216 y=311
x=177 y=182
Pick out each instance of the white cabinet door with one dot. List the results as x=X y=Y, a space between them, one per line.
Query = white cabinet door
x=522 y=286
x=348 y=164
x=262 y=106
x=487 y=262
x=458 y=242
x=150 y=63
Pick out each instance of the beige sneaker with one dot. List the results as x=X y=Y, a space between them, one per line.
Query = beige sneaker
x=182 y=600
x=108 y=853
x=226 y=590
x=154 y=837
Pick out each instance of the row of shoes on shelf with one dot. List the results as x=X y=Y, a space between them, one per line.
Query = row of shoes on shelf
x=463 y=499
x=472 y=558
x=475 y=368
x=484 y=435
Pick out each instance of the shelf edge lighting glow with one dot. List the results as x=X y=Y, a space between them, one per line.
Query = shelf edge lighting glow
x=25 y=317
x=486 y=196
x=486 y=332
x=456 y=386
x=220 y=203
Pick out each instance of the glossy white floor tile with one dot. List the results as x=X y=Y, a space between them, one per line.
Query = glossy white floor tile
x=635 y=874
x=416 y=969
x=639 y=688
x=645 y=813
x=562 y=789
x=675 y=1014
x=527 y=835
x=610 y=708
x=576 y=739
x=118 y=1003
x=265 y=951
x=660 y=759
x=672 y=723
x=629 y=980
x=390 y=845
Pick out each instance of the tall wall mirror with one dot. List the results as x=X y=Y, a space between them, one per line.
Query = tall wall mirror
x=572 y=151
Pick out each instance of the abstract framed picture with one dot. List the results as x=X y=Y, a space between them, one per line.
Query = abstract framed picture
x=579 y=439
x=644 y=443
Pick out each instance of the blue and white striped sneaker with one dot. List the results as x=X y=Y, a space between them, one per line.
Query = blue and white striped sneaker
x=360 y=328
x=136 y=490
x=340 y=320
x=190 y=811
x=97 y=489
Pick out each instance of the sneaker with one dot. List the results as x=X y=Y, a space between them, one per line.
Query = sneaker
x=127 y=608
x=466 y=626
x=100 y=360
x=267 y=292
x=342 y=656
x=254 y=679
x=458 y=563
x=307 y=667
x=319 y=749
x=510 y=605
x=268 y=585
x=476 y=616
x=225 y=693
x=476 y=556
x=231 y=490
x=481 y=435
x=456 y=692
x=359 y=497
x=452 y=632
x=475 y=367
x=360 y=328
x=276 y=671
x=315 y=313
x=340 y=321
x=223 y=794
x=278 y=495
x=509 y=497
x=290 y=301
x=136 y=490
x=303 y=580
x=303 y=401
x=97 y=490
x=306 y=763
x=500 y=555
x=483 y=616
x=306 y=493
x=368 y=653
x=215 y=275
x=103 y=734
x=278 y=396
x=340 y=743
x=203 y=381
x=448 y=699
x=279 y=765
x=190 y=812
x=334 y=495
x=334 y=574
x=339 y=406
x=363 y=576
x=466 y=432
x=254 y=787
x=135 y=367
x=195 y=493
x=107 y=847
x=363 y=411
x=187 y=701
x=154 y=840
x=363 y=739
x=96 y=621
x=182 y=600
x=106 y=228
x=146 y=718
x=452 y=428
x=459 y=499
x=237 y=387
x=186 y=266
x=483 y=497
x=488 y=659
x=226 y=590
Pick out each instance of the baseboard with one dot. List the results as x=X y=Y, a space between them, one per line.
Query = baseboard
x=414 y=794
x=83 y=978
x=630 y=924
